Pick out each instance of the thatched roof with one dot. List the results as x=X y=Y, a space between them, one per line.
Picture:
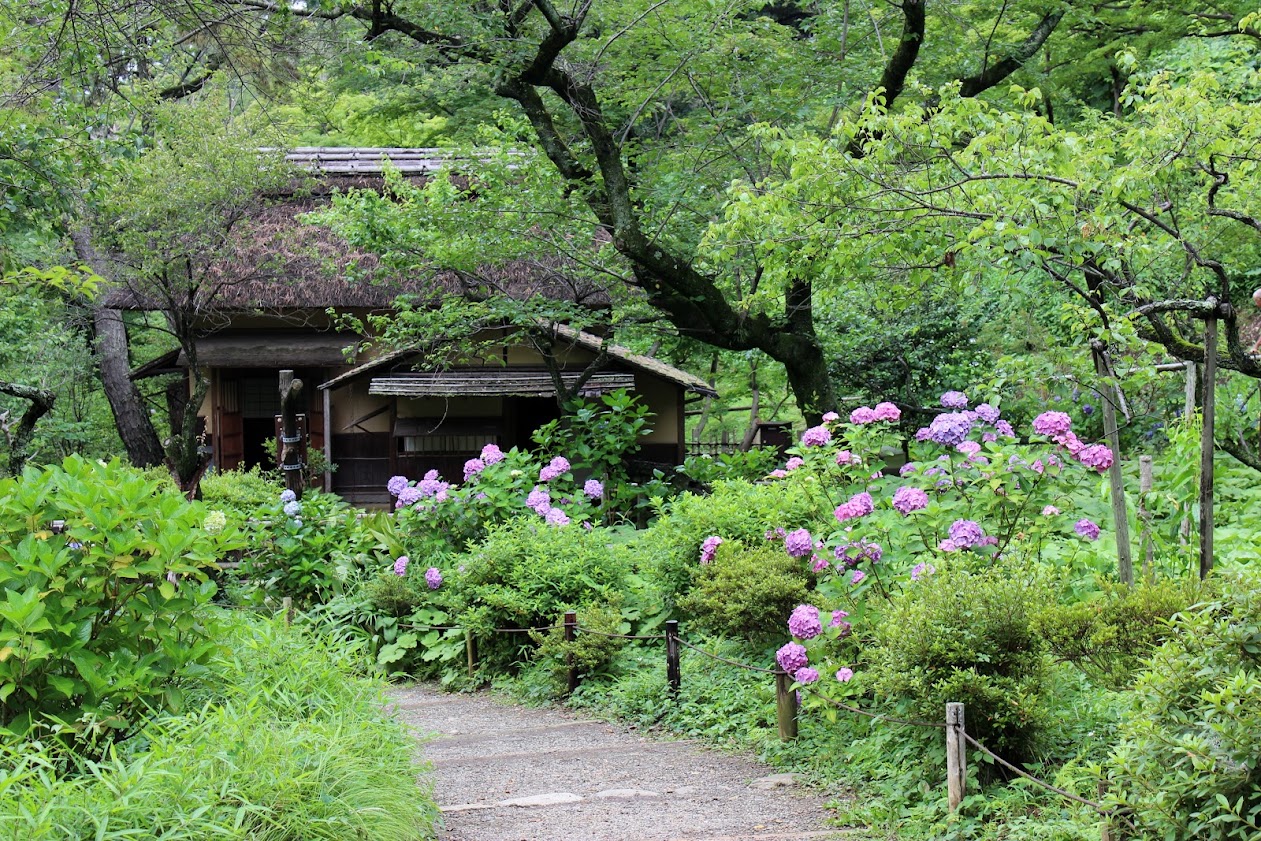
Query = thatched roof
x=278 y=262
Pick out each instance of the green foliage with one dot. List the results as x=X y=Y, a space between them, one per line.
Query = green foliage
x=526 y=574
x=968 y=636
x=1111 y=635
x=1187 y=764
x=749 y=465
x=241 y=491
x=599 y=435
x=747 y=593
x=99 y=623
x=309 y=556
x=282 y=744
x=590 y=653
x=733 y=511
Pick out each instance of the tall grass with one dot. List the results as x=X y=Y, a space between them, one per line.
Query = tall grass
x=282 y=743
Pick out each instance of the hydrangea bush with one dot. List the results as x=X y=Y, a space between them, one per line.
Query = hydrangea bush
x=971 y=495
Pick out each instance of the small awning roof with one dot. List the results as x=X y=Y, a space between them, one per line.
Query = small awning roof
x=272 y=350
x=493 y=382
x=595 y=344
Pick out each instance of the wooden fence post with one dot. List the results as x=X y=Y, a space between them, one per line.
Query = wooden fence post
x=571 y=633
x=1207 y=447
x=470 y=650
x=673 y=677
x=956 y=755
x=785 y=706
x=286 y=607
x=290 y=437
x=1110 y=389
x=1105 y=822
x=1145 y=485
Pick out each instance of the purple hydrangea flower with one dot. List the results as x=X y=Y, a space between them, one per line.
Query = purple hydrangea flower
x=396 y=484
x=287 y=496
x=472 y=467
x=818 y=564
x=1096 y=456
x=858 y=505
x=555 y=467
x=948 y=545
x=556 y=517
x=1087 y=529
x=1052 y=423
x=845 y=457
x=857 y=577
x=954 y=400
x=709 y=548
x=798 y=543
x=968 y=448
x=791 y=657
x=293 y=508
x=838 y=619
x=907 y=499
x=433 y=577
x=907 y=469
x=400 y=565
x=887 y=412
x=966 y=533
x=409 y=496
x=949 y=429
x=922 y=569
x=491 y=454
x=593 y=488
x=844 y=674
x=987 y=413
x=816 y=436
x=539 y=498
x=804 y=622
x=863 y=415
x=806 y=675
x=793 y=463
x=831 y=417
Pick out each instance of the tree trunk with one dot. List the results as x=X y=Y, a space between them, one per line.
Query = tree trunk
x=41 y=404
x=134 y=426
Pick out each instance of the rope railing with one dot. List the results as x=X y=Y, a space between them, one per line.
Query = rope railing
x=883 y=717
x=722 y=659
x=1010 y=767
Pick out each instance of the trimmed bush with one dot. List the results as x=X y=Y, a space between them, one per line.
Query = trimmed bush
x=746 y=593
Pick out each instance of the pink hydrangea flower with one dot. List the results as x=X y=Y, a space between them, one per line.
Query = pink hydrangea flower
x=1096 y=456
x=472 y=467
x=844 y=674
x=863 y=415
x=1050 y=511
x=593 y=488
x=556 y=467
x=793 y=463
x=798 y=543
x=1004 y=429
x=838 y=618
x=400 y=565
x=954 y=400
x=791 y=657
x=806 y=675
x=948 y=545
x=968 y=448
x=709 y=548
x=777 y=474
x=816 y=436
x=804 y=622
x=831 y=417
x=491 y=454
x=966 y=533
x=845 y=457
x=1052 y=423
x=556 y=517
x=922 y=569
x=819 y=563
x=433 y=577
x=857 y=577
x=858 y=505
x=887 y=412
x=987 y=413
x=949 y=429
x=907 y=499
x=539 y=498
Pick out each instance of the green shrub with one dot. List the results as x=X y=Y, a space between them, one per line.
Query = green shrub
x=1111 y=635
x=285 y=745
x=242 y=491
x=733 y=511
x=309 y=556
x=527 y=574
x=1189 y=762
x=749 y=465
x=591 y=653
x=98 y=622
x=747 y=593
x=967 y=636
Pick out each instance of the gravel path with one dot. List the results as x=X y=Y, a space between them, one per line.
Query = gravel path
x=508 y=773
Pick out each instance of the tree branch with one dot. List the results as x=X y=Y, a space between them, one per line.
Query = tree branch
x=991 y=75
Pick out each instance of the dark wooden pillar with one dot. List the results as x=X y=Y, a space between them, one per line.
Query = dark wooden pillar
x=290 y=436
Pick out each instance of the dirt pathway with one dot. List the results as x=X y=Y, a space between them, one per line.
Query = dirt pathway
x=509 y=773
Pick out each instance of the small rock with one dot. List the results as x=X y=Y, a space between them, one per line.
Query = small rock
x=625 y=793
x=553 y=799
x=774 y=781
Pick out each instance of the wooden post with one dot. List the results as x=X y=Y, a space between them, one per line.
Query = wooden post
x=785 y=706
x=286 y=607
x=956 y=755
x=1207 y=447
x=673 y=676
x=1145 y=485
x=470 y=651
x=1188 y=411
x=1116 y=482
x=1105 y=823
x=290 y=438
x=571 y=633
x=328 y=440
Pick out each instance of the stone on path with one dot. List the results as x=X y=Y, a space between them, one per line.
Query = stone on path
x=508 y=773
